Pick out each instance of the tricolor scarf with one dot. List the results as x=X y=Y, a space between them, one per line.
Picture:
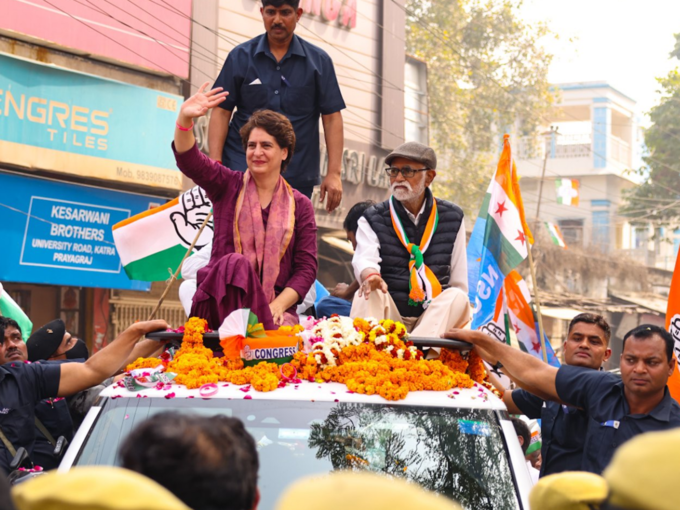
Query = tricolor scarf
x=423 y=284
x=264 y=248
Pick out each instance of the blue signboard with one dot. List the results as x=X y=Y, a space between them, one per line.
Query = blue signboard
x=61 y=120
x=60 y=234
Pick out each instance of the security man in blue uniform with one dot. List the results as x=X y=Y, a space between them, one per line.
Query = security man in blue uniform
x=282 y=72
x=53 y=344
x=564 y=428
x=618 y=408
x=23 y=385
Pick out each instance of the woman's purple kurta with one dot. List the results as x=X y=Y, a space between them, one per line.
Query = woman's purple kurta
x=221 y=288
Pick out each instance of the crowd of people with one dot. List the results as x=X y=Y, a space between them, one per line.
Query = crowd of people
x=409 y=265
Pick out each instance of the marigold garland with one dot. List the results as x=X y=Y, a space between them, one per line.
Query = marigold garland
x=195 y=364
x=368 y=356
x=144 y=363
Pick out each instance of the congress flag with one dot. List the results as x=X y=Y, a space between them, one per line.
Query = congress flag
x=151 y=244
x=567 y=191
x=673 y=325
x=523 y=319
x=555 y=235
x=499 y=240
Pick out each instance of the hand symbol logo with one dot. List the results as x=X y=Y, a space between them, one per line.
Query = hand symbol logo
x=195 y=208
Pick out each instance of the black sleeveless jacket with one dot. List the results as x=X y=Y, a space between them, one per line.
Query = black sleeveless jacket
x=395 y=257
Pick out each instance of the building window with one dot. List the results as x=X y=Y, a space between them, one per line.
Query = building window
x=601 y=230
x=416 y=114
x=572 y=231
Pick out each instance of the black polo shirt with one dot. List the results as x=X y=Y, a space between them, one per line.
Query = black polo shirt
x=22 y=386
x=610 y=424
x=563 y=431
x=302 y=86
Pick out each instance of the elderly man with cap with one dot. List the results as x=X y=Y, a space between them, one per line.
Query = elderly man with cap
x=410 y=257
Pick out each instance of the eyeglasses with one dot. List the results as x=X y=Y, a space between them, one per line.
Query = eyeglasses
x=406 y=171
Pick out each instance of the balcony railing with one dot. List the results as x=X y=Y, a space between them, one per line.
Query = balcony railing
x=572 y=146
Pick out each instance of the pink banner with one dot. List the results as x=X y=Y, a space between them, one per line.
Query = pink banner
x=152 y=34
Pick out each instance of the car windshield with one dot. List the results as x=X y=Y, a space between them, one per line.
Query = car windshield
x=456 y=452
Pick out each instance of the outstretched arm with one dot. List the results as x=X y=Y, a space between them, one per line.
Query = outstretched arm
x=76 y=377
x=530 y=373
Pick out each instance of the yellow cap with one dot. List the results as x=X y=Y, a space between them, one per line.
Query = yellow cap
x=571 y=490
x=360 y=491
x=94 y=488
x=643 y=473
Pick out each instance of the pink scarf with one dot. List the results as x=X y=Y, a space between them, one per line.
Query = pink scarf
x=264 y=248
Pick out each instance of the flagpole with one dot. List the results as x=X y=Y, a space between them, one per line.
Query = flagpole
x=541 y=331
x=179 y=268
x=537 y=300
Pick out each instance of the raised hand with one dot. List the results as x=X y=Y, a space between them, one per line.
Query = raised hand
x=202 y=101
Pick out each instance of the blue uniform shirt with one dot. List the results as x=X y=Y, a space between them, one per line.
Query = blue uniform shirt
x=55 y=415
x=302 y=86
x=22 y=386
x=610 y=424
x=563 y=432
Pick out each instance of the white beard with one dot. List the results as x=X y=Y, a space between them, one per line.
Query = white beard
x=407 y=195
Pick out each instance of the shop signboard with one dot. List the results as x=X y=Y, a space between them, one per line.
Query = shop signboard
x=65 y=121
x=145 y=34
x=60 y=234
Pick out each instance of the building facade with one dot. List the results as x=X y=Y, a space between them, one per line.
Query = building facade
x=610 y=267
x=88 y=99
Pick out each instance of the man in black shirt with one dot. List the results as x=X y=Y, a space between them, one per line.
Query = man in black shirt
x=23 y=385
x=617 y=409
x=564 y=428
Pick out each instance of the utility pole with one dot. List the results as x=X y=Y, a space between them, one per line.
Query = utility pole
x=550 y=135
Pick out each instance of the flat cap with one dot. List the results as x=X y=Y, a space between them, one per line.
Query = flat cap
x=644 y=470
x=45 y=342
x=414 y=151
x=94 y=488
x=571 y=490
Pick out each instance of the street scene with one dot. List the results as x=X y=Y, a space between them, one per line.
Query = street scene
x=343 y=254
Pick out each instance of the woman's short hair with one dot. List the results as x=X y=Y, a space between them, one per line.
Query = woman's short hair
x=277 y=126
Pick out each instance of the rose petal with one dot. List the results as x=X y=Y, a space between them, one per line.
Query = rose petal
x=248 y=397
x=127 y=416
x=170 y=395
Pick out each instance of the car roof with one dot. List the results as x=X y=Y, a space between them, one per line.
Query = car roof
x=476 y=397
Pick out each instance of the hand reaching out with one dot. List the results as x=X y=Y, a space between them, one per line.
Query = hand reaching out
x=373 y=282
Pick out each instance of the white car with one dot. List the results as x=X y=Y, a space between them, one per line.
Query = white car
x=459 y=443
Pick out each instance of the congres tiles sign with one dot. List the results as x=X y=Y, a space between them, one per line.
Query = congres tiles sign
x=60 y=234
x=60 y=120
x=144 y=33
